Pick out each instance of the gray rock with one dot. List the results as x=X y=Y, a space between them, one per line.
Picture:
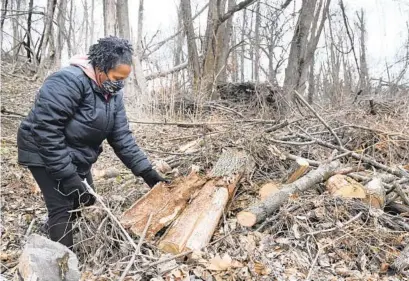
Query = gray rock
x=45 y=260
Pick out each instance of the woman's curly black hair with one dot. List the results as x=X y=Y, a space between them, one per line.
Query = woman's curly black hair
x=109 y=52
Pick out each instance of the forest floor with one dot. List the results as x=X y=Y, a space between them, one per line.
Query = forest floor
x=307 y=239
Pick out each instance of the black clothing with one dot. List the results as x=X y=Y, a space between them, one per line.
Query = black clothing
x=68 y=123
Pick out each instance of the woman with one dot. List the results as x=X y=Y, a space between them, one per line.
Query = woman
x=76 y=109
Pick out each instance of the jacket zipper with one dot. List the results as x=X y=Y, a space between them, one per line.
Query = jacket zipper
x=107 y=106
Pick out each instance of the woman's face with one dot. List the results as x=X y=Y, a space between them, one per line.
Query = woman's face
x=120 y=72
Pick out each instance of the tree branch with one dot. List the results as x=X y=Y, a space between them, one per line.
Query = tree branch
x=242 y=5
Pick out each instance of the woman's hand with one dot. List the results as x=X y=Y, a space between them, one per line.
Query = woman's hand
x=75 y=188
x=151 y=177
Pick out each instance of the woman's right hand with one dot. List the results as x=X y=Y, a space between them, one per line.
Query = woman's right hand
x=76 y=189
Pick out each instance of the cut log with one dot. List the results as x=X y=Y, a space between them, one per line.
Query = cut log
x=375 y=193
x=261 y=210
x=302 y=167
x=187 y=231
x=164 y=202
x=346 y=187
x=268 y=189
x=195 y=226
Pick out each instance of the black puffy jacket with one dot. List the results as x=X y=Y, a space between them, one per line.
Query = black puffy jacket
x=68 y=123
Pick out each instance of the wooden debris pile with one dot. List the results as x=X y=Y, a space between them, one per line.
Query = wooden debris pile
x=191 y=206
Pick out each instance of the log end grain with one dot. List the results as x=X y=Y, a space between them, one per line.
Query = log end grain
x=247 y=219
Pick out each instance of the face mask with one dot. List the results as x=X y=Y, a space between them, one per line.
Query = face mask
x=111 y=87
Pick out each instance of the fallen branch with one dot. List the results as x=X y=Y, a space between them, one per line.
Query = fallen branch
x=110 y=214
x=319 y=117
x=260 y=211
x=202 y=124
x=137 y=251
x=360 y=157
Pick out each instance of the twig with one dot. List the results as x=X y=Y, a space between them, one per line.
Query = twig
x=357 y=156
x=337 y=227
x=319 y=117
x=110 y=214
x=313 y=263
x=138 y=250
x=201 y=124
x=30 y=227
x=291 y=142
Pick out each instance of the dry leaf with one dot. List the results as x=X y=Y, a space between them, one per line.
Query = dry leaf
x=261 y=269
x=224 y=263
x=162 y=166
x=34 y=189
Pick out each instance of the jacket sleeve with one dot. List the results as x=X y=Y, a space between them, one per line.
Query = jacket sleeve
x=123 y=142
x=56 y=103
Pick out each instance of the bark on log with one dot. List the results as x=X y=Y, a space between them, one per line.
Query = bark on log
x=195 y=226
x=201 y=211
x=375 y=193
x=261 y=210
x=164 y=202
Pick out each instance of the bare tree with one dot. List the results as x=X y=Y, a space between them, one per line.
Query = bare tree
x=217 y=33
x=47 y=34
x=304 y=43
x=62 y=9
x=363 y=74
x=86 y=19
x=193 y=55
x=123 y=19
x=109 y=17
x=256 y=43
x=242 y=52
x=92 y=22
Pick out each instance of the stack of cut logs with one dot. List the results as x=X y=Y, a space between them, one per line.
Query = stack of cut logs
x=190 y=207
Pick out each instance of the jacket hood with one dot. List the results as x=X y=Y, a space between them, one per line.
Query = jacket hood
x=83 y=62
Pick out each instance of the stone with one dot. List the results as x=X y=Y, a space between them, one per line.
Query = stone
x=43 y=259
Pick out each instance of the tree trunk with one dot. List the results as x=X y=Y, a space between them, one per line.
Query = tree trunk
x=62 y=12
x=92 y=23
x=234 y=58
x=109 y=17
x=28 y=34
x=47 y=33
x=193 y=56
x=177 y=59
x=140 y=29
x=3 y=15
x=16 y=36
x=243 y=28
x=122 y=12
x=86 y=16
x=363 y=74
x=311 y=82
x=70 y=29
x=257 y=43
x=304 y=44
x=260 y=211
